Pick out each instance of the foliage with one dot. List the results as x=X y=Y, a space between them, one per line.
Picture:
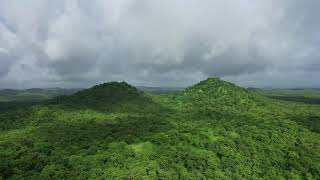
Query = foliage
x=213 y=130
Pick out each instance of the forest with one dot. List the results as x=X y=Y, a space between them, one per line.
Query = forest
x=212 y=130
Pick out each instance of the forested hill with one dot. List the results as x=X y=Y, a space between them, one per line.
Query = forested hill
x=212 y=130
x=107 y=93
x=108 y=97
x=219 y=92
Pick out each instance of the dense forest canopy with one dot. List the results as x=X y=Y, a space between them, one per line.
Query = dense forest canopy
x=212 y=130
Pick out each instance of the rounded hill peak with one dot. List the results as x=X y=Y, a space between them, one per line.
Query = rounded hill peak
x=111 y=91
x=214 y=84
x=111 y=96
x=216 y=92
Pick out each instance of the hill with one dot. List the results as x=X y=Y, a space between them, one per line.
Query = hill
x=219 y=92
x=112 y=97
x=212 y=130
x=214 y=96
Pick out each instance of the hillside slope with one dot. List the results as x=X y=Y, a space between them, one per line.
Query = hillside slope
x=213 y=130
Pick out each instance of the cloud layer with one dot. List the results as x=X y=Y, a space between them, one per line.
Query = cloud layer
x=76 y=43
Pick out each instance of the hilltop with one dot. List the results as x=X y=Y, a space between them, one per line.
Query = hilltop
x=212 y=130
x=111 y=96
x=214 y=94
x=107 y=92
x=216 y=89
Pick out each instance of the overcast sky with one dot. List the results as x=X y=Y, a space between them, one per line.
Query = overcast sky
x=79 y=43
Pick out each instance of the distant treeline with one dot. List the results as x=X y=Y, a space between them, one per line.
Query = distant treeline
x=308 y=100
x=31 y=95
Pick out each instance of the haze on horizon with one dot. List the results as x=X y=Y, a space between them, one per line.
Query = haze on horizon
x=79 y=43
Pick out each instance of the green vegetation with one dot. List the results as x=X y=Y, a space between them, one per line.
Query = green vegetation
x=33 y=95
x=213 y=130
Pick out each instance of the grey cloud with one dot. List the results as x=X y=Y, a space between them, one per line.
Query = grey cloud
x=5 y=62
x=170 y=42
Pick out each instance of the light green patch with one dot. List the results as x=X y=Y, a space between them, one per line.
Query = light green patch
x=143 y=148
x=211 y=136
x=77 y=116
x=233 y=135
x=11 y=135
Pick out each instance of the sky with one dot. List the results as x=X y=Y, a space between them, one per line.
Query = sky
x=80 y=43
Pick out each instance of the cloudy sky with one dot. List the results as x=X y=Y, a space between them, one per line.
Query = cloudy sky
x=78 y=43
